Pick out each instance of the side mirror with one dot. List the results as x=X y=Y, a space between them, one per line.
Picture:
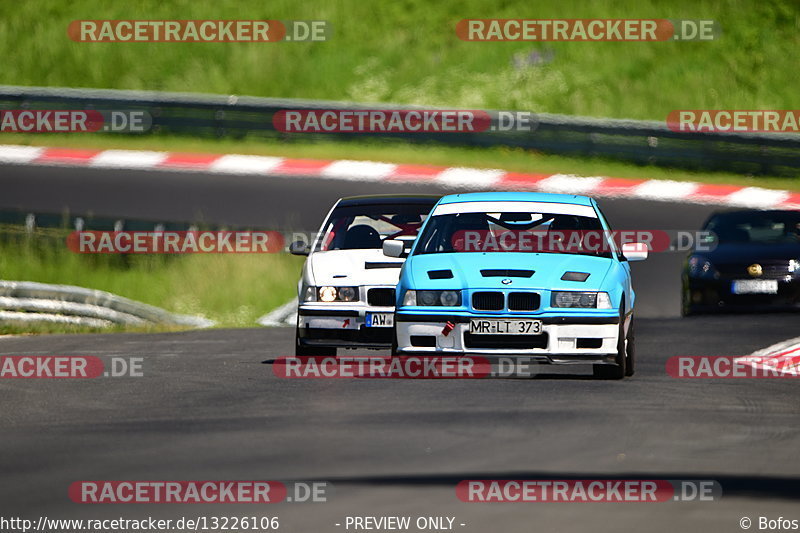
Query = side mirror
x=298 y=248
x=393 y=248
x=634 y=251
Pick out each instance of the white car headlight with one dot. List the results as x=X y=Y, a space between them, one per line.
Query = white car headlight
x=311 y=294
x=348 y=294
x=327 y=294
x=337 y=294
x=581 y=299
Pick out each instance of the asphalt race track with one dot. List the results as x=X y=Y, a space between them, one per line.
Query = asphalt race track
x=301 y=204
x=210 y=407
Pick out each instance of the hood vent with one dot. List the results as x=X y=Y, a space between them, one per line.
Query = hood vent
x=506 y=273
x=387 y=264
x=575 y=276
x=440 y=274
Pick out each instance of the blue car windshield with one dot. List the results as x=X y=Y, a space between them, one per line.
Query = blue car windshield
x=514 y=232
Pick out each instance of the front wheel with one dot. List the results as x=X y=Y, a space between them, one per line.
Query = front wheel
x=620 y=369
x=630 y=351
x=686 y=304
x=394 y=351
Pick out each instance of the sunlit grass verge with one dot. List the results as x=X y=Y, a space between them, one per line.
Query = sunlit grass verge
x=408 y=53
x=231 y=289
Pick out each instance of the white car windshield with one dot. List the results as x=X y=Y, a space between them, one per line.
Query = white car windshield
x=367 y=226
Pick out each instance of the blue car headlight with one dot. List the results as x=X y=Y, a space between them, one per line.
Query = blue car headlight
x=700 y=267
x=581 y=299
x=431 y=298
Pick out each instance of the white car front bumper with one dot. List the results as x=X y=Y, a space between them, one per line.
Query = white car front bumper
x=343 y=325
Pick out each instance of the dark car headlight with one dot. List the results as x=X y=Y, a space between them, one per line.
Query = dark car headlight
x=432 y=298
x=348 y=294
x=700 y=267
x=582 y=299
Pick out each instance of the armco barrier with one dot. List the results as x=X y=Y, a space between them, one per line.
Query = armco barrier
x=643 y=142
x=26 y=301
x=30 y=220
x=285 y=315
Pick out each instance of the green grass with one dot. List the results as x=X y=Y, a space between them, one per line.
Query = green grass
x=406 y=51
x=511 y=159
x=402 y=51
x=232 y=289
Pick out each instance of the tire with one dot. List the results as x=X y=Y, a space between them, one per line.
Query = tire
x=686 y=305
x=620 y=369
x=311 y=351
x=630 y=350
x=394 y=351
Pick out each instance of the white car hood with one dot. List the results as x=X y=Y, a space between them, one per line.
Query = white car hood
x=349 y=267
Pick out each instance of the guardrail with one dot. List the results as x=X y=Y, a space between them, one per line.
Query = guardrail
x=27 y=301
x=642 y=142
x=31 y=220
x=285 y=315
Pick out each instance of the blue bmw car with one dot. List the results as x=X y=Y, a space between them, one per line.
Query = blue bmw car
x=518 y=274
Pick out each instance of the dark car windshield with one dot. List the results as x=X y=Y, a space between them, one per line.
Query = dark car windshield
x=512 y=232
x=367 y=226
x=756 y=227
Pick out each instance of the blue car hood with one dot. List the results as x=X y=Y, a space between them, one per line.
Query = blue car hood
x=466 y=269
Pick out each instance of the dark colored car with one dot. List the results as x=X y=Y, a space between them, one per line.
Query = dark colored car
x=752 y=263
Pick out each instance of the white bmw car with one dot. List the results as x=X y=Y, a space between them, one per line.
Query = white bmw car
x=347 y=291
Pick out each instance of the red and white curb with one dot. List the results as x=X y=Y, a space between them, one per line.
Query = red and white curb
x=783 y=357
x=451 y=177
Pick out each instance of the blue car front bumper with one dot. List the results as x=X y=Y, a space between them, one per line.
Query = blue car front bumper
x=568 y=338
